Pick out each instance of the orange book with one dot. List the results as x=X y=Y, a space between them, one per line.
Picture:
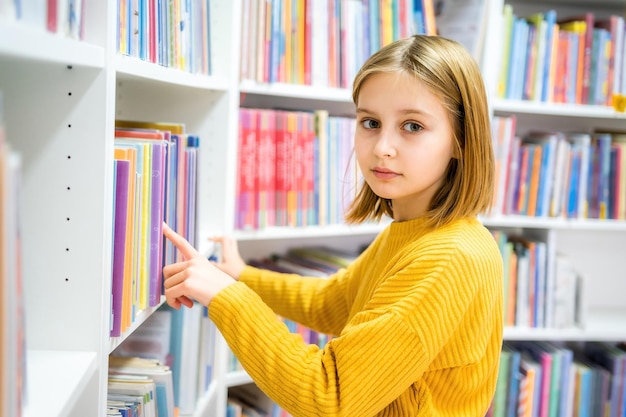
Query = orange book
x=535 y=177
x=522 y=185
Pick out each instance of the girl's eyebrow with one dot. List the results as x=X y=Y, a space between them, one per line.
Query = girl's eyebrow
x=404 y=111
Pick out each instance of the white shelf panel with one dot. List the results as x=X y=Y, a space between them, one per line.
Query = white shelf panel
x=273 y=233
x=555 y=223
x=297 y=91
x=237 y=378
x=556 y=109
x=18 y=41
x=601 y=325
x=206 y=401
x=55 y=380
x=129 y=67
x=141 y=317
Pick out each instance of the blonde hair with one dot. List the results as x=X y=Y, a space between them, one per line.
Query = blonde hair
x=451 y=73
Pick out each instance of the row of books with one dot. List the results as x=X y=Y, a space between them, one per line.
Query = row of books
x=561 y=380
x=155 y=181
x=323 y=42
x=12 y=332
x=173 y=348
x=173 y=33
x=575 y=175
x=537 y=295
x=573 y=59
x=62 y=17
x=295 y=168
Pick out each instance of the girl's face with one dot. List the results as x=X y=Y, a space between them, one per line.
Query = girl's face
x=403 y=141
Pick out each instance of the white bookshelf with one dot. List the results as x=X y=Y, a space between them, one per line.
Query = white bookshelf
x=61 y=98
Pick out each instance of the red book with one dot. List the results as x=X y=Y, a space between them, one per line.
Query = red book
x=247 y=171
x=282 y=173
x=51 y=18
x=266 y=168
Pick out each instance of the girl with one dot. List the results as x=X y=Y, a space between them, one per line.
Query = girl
x=418 y=316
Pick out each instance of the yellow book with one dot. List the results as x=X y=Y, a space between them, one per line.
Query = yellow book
x=301 y=35
x=174 y=128
x=507 y=29
x=386 y=13
x=285 y=70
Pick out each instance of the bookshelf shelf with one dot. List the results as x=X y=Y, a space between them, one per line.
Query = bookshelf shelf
x=604 y=325
x=557 y=109
x=310 y=231
x=131 y=68
x=141 y=317
x=306 y=92
x=56 y=380
x=21 y=42
x=525 y=222
x=236 y=378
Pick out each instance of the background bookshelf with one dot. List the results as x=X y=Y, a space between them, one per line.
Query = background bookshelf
x=62 y=96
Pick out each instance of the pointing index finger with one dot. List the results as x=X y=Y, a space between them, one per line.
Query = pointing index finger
x=180 y=242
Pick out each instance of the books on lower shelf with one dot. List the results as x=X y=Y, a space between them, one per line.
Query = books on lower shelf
x=176 y=345
x=541 y=290
x=560 y=379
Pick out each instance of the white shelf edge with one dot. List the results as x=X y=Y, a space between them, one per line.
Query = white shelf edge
x=272 y=233
x=556 y=109
x=237 y=378
x=555 y=223
x=607 y=325
x=55 y=379
x=140 y=318
x=296 y=91
x=135 y=68
x=204 y=402
x=19 y=41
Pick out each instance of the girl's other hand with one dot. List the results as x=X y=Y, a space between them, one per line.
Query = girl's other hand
x=231 y=262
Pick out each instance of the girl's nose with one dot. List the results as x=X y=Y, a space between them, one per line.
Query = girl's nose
x=384 y=145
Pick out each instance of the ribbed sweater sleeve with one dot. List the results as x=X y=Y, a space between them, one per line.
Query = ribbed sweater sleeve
x=422 y=335
x=317 y=303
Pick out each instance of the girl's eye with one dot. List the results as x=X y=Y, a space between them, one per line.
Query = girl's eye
x=370 y=124
x=412 y=127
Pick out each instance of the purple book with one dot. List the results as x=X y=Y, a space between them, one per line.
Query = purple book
x=120 y=219
x=157 y=213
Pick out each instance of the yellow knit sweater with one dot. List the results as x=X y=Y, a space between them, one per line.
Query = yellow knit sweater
x=418 y=320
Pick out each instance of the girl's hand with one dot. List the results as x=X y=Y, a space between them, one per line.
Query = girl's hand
x=195 y=278
x=231 y=263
